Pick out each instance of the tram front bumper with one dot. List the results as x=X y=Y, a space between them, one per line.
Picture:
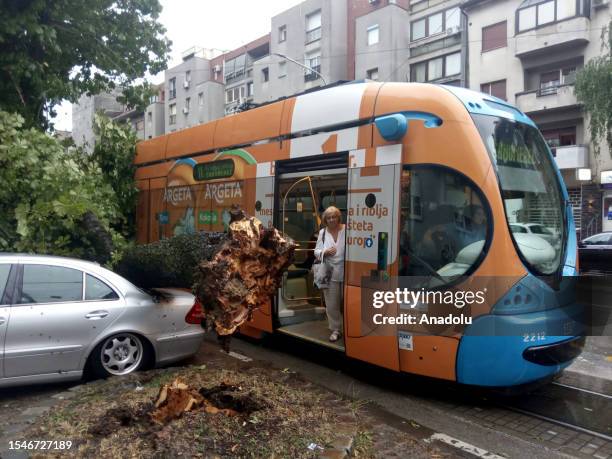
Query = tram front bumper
x=503 y=351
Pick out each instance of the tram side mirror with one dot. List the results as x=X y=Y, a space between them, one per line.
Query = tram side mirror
x=394 y=126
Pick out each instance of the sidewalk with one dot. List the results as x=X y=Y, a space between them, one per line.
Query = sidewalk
x=290 y=417
x=592 y=370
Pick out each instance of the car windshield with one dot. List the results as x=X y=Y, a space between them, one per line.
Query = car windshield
x=530 y=189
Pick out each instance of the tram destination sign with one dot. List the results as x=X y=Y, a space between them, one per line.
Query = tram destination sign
x=213 y=170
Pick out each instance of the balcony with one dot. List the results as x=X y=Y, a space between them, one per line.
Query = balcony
x=558 y=36
x=572 y=157
x=549 y=98
x=312 y=76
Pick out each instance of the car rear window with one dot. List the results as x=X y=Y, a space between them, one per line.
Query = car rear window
x=95 y=289
x=4 y=274
x=51 y=284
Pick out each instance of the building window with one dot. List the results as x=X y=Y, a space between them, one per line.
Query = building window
x=265 y=74
x=418 y=29
x=282 y=34
x=282 y=69
x=372 y=74
x=188 y=76
x=434 y=69
x=448 y=21
x=453 y=64
x=532 y=16
x=235 y=67
x=550 y=81
x=250 y=87
x=154 y=98
x=201 y=99
x=187 y=105
x=231 y=95
x=150 y=117
x=172 y=89
x=313 y=27
x=560 y=137
x=313 y=61
x=172 y=113
x=494 y=36
x=373 y=35
x=495 y=88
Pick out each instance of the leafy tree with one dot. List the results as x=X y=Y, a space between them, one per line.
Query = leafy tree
x=49 y=202
x=58 y=49
x=594 y=89
x=114 y=154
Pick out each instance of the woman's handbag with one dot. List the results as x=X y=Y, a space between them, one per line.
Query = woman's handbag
x=321 y=270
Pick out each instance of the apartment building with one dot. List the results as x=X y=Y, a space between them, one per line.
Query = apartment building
x=83 y=112
x=154 y=116
x=528 y=53
x=437 y=42
x=314 y=34
x=192 y=96
x=378 y=39
x=239 y=71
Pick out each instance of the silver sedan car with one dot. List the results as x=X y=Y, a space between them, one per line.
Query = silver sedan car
x=60 y=317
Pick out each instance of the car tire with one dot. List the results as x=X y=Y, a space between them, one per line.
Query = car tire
x=119 y=355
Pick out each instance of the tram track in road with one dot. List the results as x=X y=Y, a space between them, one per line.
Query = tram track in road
x=573 y=407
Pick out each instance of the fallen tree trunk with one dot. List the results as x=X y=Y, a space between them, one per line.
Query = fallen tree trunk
x=244 y=273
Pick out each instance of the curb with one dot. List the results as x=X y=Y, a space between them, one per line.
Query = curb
x=346 y=432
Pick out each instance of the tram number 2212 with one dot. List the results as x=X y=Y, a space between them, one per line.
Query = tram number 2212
x=531 y=337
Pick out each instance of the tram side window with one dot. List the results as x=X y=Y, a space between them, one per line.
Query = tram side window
x=444 y=223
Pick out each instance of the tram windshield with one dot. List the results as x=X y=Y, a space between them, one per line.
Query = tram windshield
x=530 y=190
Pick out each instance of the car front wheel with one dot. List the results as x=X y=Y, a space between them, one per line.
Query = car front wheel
x=118 y=355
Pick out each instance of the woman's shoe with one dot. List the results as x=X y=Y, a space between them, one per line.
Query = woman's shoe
x=335 y=336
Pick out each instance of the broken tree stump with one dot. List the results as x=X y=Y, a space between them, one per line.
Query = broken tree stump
x=244 y=273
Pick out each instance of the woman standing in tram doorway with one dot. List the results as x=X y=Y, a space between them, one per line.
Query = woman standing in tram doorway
x=330 y=249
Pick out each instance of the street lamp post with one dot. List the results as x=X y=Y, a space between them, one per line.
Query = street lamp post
x=310 y=69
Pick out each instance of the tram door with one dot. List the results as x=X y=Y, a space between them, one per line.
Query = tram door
x=301 y=199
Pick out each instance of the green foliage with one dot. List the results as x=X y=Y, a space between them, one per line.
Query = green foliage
x=50 y=202
x=114 y=154
x=169 y=262
x=137 y=97
x=594 y=89
x=59 y=49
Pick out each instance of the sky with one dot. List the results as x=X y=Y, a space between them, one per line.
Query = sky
x=224 y=25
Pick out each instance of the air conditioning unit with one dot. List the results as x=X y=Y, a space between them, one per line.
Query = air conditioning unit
x=185 y=110
x=452 y=30
x=186 y=84
x=373 y=2
x=600 y=3
x=217 y=68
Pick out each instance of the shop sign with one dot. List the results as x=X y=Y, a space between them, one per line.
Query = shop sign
x=606 y=179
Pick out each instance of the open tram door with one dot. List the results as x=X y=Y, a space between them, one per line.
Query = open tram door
x=305 y=187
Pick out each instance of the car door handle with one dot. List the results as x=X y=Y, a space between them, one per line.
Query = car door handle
x=96 y=315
